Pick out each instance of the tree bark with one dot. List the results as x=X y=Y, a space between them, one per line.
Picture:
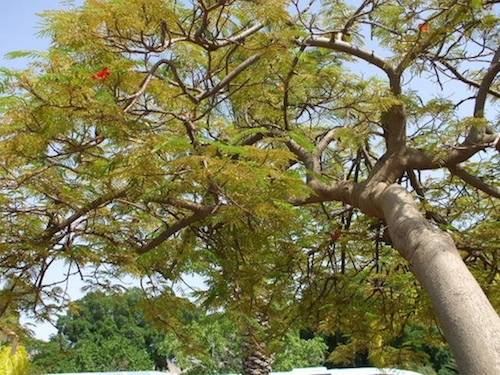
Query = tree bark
x=469 y=322
x=256 y=361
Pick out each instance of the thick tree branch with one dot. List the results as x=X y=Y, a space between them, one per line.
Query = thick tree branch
x=394 y=119
x=415 y=183
x=477 y=139
x=240 y=37
x=105 y=199
x=341 y=191
x=475 y=181
x=422 y=160
x=466 y=80
x=325 y=141
x=145 y=83
x=309 y=160
x=200 y=213
x=485 y=85
x=341 y=46
x=230 y=77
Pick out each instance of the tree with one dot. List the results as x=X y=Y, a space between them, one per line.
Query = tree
x=102 y=333
x=147 y=119
x=299 y=352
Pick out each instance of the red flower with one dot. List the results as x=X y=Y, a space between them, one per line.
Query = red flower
x=424 y=27
x=102 y=75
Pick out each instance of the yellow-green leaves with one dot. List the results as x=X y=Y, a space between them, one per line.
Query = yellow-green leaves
x=21 y=54
x=13 y=361
x=476 y=4
x=267 y=11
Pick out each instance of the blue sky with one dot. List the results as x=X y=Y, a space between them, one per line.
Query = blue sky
x=19 y=24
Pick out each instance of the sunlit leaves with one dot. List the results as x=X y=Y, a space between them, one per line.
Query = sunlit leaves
x=13 y=361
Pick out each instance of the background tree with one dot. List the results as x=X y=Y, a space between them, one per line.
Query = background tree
x=102 y=333
x=147 y=119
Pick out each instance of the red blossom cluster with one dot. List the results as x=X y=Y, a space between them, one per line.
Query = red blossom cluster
x=102 y=75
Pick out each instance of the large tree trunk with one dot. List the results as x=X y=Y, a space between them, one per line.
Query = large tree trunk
x=256 y=361
x=469 y=322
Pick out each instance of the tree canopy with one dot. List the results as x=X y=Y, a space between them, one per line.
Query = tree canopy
x=251 y=138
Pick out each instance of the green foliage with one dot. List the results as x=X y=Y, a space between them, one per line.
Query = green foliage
x=298 y=352
x=101 y=333
x=113 y=354
x=21 y=54
x=208 y=345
